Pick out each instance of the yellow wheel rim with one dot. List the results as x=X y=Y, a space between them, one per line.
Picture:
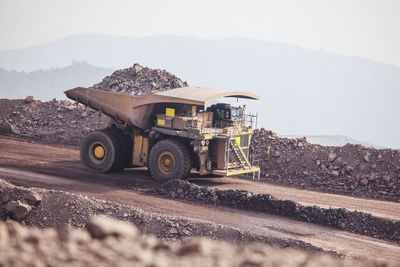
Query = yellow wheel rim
x=99 y=152
x=166 y=162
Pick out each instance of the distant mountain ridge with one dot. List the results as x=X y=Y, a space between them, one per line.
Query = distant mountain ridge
x=49 y=84
x=302 y=90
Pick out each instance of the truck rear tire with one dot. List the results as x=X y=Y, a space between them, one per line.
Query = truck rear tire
x=101 y=151
x=169 y=159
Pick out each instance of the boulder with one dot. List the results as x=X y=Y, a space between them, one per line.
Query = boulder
x=367 y=157
x=102 y=227
x=29 y=99
x=386 y=177
x=332 y=156
x=335 y=173
x=4 y=196
x=33 y=198
x=6 y=128
x=17 y=210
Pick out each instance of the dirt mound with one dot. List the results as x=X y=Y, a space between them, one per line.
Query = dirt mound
x=351 y=221
x=352 y=169
x=106 y=242
x=138 y=80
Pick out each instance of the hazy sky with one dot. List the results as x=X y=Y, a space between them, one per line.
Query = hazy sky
x=366 y=28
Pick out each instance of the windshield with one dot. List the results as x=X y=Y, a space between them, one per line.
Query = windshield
x=237 y=114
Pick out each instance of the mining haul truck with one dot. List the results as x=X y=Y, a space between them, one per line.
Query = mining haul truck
x=171 y=132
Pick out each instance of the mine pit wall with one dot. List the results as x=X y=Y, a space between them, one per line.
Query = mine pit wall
x=352 y=170
x=351 y=221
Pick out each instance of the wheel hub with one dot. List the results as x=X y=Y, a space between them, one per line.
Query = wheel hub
x=166 y=162
x=99 y=152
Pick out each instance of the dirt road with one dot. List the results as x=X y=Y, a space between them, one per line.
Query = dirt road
x=29 y=163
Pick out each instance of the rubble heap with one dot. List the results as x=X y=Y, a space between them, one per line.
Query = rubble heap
x=352 y=169
x=138 y=80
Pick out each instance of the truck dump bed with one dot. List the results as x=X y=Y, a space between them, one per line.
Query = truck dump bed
x=136 y=110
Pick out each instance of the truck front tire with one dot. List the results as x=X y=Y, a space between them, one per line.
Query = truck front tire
x=169 y=159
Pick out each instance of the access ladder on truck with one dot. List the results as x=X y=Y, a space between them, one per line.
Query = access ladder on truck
x=245 y=165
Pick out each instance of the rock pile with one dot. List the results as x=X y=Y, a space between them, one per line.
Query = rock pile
x=138 y=80
x=106 y=242
x=352 y=169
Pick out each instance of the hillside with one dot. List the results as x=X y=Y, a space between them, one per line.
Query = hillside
x=302 y=91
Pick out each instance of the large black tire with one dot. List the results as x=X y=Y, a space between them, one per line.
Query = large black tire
x=169 y=159
x=108 y=157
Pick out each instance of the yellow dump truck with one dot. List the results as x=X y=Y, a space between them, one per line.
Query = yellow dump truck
x=173 y=133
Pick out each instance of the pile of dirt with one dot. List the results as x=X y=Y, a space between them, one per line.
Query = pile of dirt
x=61 y=121
x=107 y=242
x=139 y=80
x=351 y=221
x=352 y=169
